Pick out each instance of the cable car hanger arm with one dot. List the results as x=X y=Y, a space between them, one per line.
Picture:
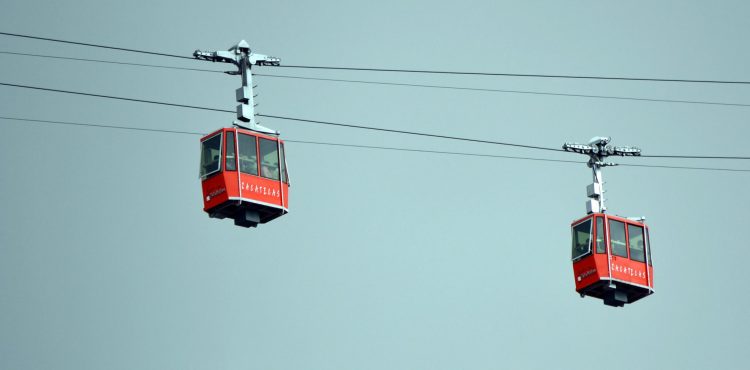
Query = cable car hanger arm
x=235 y=54
x=598 y=151
x=241 y=56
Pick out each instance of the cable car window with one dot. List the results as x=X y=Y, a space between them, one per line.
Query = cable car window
x=617 y=238
x=283 y=166
x=601 y=244
x=637 y=249
x=581 y=239
x=648 y=247
x=248 y=154
x=269 y=159
x=231 y=163
x=210 y=154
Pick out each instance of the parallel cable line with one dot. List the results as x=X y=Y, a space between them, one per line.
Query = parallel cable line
x=129 y=128
x=509 y=91
x=443 y=87
x=108 y=62
x=412 y=133
x=328 y=123
x=95 y=45
x=685 y=168
x=400 y=70
x=289 y=118
x=286 y=140
x=693 y=157
x=365 y=146
x=535 y=75
x=116 y=97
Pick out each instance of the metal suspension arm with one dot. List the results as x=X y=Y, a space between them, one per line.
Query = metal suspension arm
x=598 y=151
x=241 y=56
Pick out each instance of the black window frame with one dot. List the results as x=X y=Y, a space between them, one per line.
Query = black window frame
x=219 y=167
x=612 y=241
x=648 y=247
x=240 y=152
x=261 y=155
x=282 y=163
x=230 y=143
x=603 y=230
x=635 y=256
x=574 y=240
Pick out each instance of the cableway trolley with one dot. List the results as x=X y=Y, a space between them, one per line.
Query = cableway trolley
x=244 y=176
x=243 y=168
x=611 y=254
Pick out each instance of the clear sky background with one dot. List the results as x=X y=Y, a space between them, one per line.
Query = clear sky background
x=387 y=260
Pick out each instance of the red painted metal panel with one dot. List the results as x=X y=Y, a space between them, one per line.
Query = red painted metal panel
x=264 y=190
x=594 y=268
x=586 y=272
x=218 y=188
x=225 y=187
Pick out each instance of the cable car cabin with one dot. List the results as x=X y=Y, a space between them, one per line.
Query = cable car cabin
x=259 y=191
x=612 y=259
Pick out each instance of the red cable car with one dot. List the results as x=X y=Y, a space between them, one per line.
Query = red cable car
x=259 y=191
x=243 y=169
x=612 y=259
x=611 y=254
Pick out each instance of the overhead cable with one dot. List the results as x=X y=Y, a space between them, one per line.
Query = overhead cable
x=351 y=125
x=444 y=87
x=129 y=128
x=421 y=71
x=508 y=91
x=579 y=77
x=684 y=167
x=95 y=45
x=109 y=62
x=290 y=118
x=693 y=157
x=116 y=97
x=287 y=140
x=412 y=133
x=365 y=146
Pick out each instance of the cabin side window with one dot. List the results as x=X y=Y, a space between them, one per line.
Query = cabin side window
x=248 y=154
x=617 y=238
x=637 y=243
x=231 y=162
x=648 y=247
x=601 y=239
x=269 y=159
x=581 y=239
x=284 y=177
x=210 y=156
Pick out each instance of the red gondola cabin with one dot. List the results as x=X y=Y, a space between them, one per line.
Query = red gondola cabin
x=259 y=191
x=612 y=259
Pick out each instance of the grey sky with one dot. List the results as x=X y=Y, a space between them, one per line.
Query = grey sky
x=388 y=260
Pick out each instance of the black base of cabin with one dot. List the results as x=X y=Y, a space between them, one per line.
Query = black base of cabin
x=247 y=218
x=615 y=294
x=245 y=214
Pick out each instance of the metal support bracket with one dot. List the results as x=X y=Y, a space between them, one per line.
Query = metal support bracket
x=241 y=56
x=598 y=150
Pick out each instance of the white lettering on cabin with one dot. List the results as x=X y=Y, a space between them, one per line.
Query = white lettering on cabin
x=214 y=193
x=629 y=271
x=260 y=190
x=586 y=274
